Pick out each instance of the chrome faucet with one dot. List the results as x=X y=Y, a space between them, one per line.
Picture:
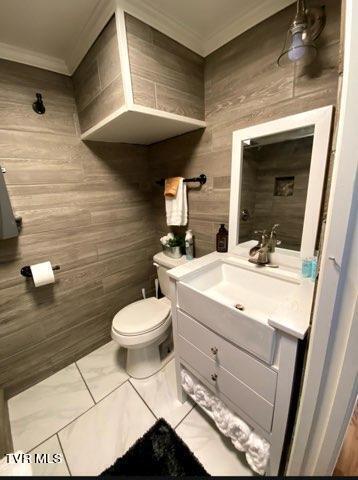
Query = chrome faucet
x=261 y=243
x=260 y=253
x=273 y=242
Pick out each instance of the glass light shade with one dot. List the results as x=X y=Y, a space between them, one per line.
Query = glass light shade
x=299 y=48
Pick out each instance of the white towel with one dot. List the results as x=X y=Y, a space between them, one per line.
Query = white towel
x=177 y=207
x=202 y=396
x=239 y=433
x=258 y=453
x=257 y=449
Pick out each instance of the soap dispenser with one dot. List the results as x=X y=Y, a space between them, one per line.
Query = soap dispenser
x=222 y=239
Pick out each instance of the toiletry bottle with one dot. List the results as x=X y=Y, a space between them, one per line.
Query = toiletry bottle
x=314 y=269
x=222 y=238
x=306 y=267
x=189 y=245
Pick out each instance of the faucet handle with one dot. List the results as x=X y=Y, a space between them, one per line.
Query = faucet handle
x=275 y=227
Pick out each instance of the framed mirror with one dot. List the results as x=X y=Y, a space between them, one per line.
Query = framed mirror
x=277 y=176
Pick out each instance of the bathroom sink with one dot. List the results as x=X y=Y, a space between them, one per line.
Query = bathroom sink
x=237 y=301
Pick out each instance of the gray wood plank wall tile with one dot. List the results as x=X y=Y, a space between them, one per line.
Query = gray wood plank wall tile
x=172 y=75
x=6 y=445
x=84 y=208
x=97 y=80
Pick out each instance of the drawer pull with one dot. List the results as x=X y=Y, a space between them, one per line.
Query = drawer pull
x=214 y=377
x=214 y=350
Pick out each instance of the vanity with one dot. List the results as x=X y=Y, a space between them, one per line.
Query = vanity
x=237 y=324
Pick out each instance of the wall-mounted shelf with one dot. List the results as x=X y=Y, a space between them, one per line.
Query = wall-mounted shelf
x=136 y=85
x=141 y=125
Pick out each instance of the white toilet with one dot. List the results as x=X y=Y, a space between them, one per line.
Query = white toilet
x=143 y=325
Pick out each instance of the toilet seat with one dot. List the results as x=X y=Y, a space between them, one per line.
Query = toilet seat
x=141 y=317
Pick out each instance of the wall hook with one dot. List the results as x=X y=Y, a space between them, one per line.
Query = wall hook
x=38 y=105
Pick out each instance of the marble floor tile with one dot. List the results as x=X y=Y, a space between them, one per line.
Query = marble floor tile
x=40 y=411
x=95 y=440
x=159 y=392
x=51 y=446
x=103 y=369
x=213 y=450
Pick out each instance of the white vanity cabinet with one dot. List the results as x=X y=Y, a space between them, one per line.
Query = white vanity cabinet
x=257 y=391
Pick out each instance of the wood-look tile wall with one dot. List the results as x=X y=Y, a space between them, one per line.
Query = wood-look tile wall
x=6 y=445
x=165 y=75
x=85 y=207
x=243 y=87
x=261 y=167
x=98 y=81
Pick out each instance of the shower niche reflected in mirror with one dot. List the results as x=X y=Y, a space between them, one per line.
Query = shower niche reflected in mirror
x=275 y=174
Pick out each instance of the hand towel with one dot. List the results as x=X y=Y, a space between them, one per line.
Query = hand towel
x=177 y=207
x=239 y=433
x=171 y=186
x=202 y=396
x=258 y=453
x=256 y=448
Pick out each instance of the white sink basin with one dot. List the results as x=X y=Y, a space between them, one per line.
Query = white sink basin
x=230 y=285
x=211 y=295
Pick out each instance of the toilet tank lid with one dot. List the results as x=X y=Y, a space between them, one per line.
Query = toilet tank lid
x=168 y=262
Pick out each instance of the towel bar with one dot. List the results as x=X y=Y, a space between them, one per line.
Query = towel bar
x=200 y=179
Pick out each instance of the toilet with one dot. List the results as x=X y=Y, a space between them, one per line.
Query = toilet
x=143 y=325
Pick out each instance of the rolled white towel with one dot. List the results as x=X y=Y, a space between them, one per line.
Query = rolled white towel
x=216 y=404
x=258 y=453
x=187 y=382
x=239 y=433
x=202 y=396
x=222 y=417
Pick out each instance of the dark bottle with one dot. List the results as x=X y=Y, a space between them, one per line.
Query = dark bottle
x=222 y=238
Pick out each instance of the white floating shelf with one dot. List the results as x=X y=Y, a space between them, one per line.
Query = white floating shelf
x=141 y=125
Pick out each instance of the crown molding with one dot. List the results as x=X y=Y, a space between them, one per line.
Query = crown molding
x=98 y=19
x=242 y=23
x=164 y=23
x=35 y=59
x=147 y=13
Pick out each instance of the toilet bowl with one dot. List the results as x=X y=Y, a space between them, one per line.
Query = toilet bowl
x=143 y=325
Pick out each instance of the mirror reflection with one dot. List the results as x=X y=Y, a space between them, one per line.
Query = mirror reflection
x=275 y=173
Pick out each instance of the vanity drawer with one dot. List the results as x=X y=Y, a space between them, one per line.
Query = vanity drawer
x=242 y=365
x=254 y=336
x=223 y=382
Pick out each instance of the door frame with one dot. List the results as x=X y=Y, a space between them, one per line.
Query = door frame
x=330 y=380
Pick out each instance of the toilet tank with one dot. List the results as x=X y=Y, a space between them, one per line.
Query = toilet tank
x=164 y=263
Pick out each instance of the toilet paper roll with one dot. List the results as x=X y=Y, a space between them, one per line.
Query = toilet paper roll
x=42 y=274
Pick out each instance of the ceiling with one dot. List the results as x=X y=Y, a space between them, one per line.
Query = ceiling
x=56 y=34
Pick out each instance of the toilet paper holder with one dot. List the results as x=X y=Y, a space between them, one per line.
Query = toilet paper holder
x=26 y=271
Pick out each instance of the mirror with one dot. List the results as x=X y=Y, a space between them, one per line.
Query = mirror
x=277 y=177
x=275 y=174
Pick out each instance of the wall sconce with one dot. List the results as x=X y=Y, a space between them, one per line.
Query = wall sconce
x=305 y=28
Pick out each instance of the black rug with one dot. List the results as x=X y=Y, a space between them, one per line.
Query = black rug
x=160 y=452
